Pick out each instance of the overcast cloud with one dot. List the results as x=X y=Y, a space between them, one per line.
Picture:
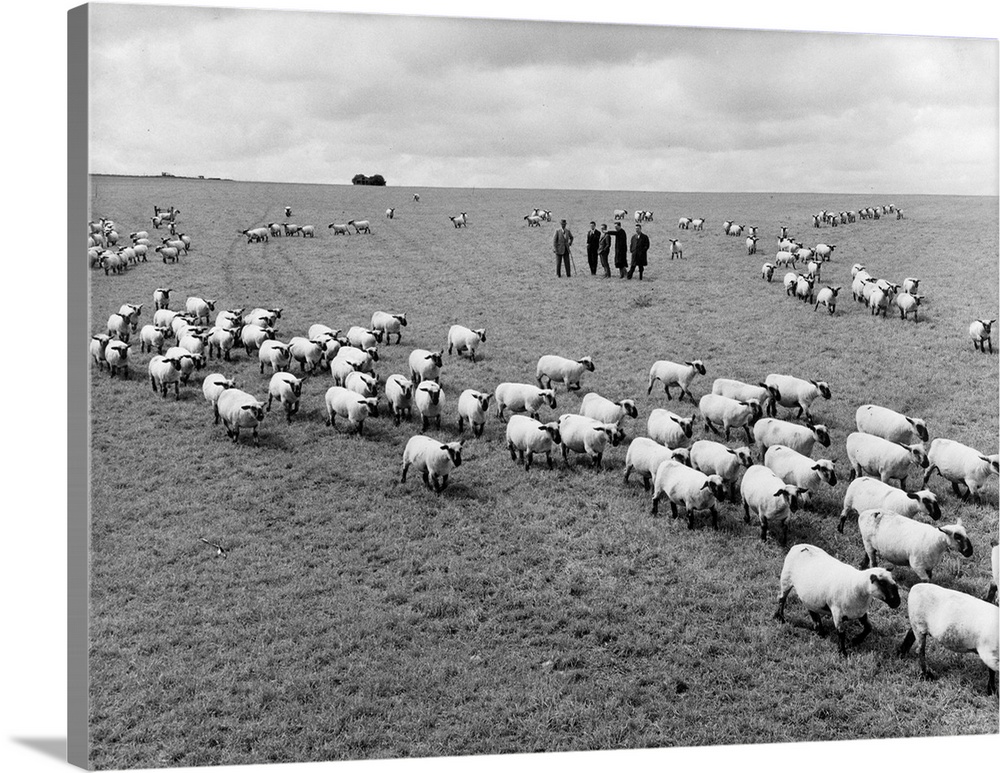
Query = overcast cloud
x=318 y=97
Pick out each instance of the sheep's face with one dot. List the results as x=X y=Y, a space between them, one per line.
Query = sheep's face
x=821 y=434
x=454 y=451
x=436 y=358
x=698 y=365
x=481 y=334
x=959 y=538
x=755 y=410
x=682 y=455
x=616 y=435
x=629 y=407
x=550 y=397
x=826 y=471
x=686 y=425
x=483 y=400
x=823 y=387
x=552 y=428
x=883 y=587
x=432 y=391
x=715 y=485
x=744 y=455
x=401 y=318
x=929 y=500
x=587 y=363
x=254 y=411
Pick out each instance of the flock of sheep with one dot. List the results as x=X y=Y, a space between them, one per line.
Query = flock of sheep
x=771 y=477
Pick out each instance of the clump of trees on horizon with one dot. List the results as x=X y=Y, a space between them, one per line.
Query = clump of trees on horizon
x=361 y=179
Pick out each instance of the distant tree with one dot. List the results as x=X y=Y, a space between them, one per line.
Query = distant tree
x=360 y=179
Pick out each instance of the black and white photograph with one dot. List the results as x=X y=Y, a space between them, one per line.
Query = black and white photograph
x=460 y=385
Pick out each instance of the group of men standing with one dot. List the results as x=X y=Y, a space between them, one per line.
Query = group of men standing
x=599 y=249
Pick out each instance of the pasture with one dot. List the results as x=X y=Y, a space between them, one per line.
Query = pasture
x=359 y=617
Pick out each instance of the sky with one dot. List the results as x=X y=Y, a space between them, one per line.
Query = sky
x=319 y=97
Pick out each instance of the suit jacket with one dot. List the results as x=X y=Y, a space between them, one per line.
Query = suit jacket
x=593 y=239
x=562 y=241
x=604 y=245
x=621 y=247
x=639 y=246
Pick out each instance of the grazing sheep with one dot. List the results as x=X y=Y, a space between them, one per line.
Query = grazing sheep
x=716 y=409
x=870 y=494
x=307 y=352
x=472 y=407
x=685 y=486
x=738 y=390
x=527 y=437
x=164 y=371
x=240 y=410
x=824 y=251
x=621 y=214
x=888 y=424
x=340 y=228
x=958 y=621
x=801 y=471
x=275 y=354
x=770 y=498
x=826 y=585
x=767 y=271
x=399 y=393
x=906 y=303
x=152 y=337
x=581 y=434
x=116 y=355
x=465 y=340
x=429 y=399
x=644 y=455
x=363 y=338
x=288 y=389
x=214 y=385
x=360 y=359
x=797 y=392
x=959 y=463
x=361 y=226
x=668 y=428
x=873 y=455
x=365 y=384
x=979 y=332
x=790 y=280
x=774 y=432
x=388 y=324
x=425 y=365
x=522 y=398
x=433 y=459
x=827 y=296
x=349 y=405
x=221 y=342
x=552 y=367
x=188 y=362
x=459 y=220
x=605 y=411
x=714 y=458
x=902 y=541
x=675 y=374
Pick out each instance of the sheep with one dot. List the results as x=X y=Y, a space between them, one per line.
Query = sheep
x=767 y=271
x=859 y=285
x=240 y=410
x=465 y=340
x=684 y=223
x=684 y=486
x=274 y=353
x=774 y=432
x=212 y=386
x=644 y=456
x=399 y=393
x=827 y=296
x=738 y=390
x=789 y=282
x=888 y=424
x=784 y=258
x=675 y=374
x=459 y=220
x=526 y=437
x=119 y=327
x=221 y=342
x=291 y=229
x=874 y=455
x=902 y=541
x=797 y=392
x=668 y=428
x=308 y=230
x=388 y=323
x=752 y=245
x=991 y=594
x=870 y=493
x=188 y=361
x=288 y=390
x=165 y=317
x=698 y=224
x=193 y=339
x=141 y=252
x=429 y=399
x=552 y=367
x=113 y=262
x=770 y=498
x=824 y=251
x=389 y=212
x=229 y=319
x=581 y=434
x=433 y=459
x=199 y=308
x=163 y=371
x=365 y=384
x=979 y=332
x=363 y=338
x=319 y=331
x=604 y=410
x=116 y=355
x=714 y=458
x=959 y=622
x=522 y=398
x=804 y=288
x=98 y=343
x=425 y=365
x=960 y=463
x=735 y=230
x=911 y=285
x=716 y=409
x=824 y=584
x=879 y=301
x=307 y=353
x=252 y=336
x=534 y=221
x=676 y=249
x=472 y=407
x=340 y=228
x=801 y=471
x=620 y=214
x=131 y=312
x=349 y=359
x=263 y=317
x=349 y=405
x=168 y=253
x=152 y=337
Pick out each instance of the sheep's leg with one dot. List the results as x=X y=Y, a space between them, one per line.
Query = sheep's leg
x=746 y=511
x=527 y=459
x=866 y=628
x=256 y=438
x=779 y=613
x=426 y=477
x=667 y=390
x=477 y=429
x=715 y=518
x=628 y=471
x=905 y=645
x=763 y=529
x=991 y=681
x=461 y=424
x=651 y=380
x=216 y=411
x=690 y=518
x=673 y=509
x=236 y=433
x=710 y=426
x=656 y=502
x=817 y=619
x=749 y=435
x=596 y=462
x=784 y=533
x=925 y=672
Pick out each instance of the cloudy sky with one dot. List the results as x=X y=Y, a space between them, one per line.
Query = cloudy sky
x=318 y=97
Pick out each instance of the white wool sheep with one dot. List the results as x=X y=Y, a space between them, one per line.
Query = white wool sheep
x=459 y=220
x=824 y=251
x=685 y=486
x=876 y=456
x=522 y=398
x=425 y=365
x=131 y=311
x=644 y=456
x=361 y=226
x=389 y=324
x=288 y=390
x=433 y=459
x=263 y=317
x=714 y=458
x=240 y=410
x=116 y=355
x=870 y=493
x=465 y=340
x=472 y=407
x=770 y=498
x=552 y=367
x=752 y=245
x=428 y=397
x=906 y=303
x=319 y=331
x=362 y=359
x=959 y=463
x=365 y=384
x=307 y=352
x=119 y=327
x=958 y=621
x=729 y=414
x=164 y=371
x=274 y=354
x=581 y=434
x=902 y=541
x=790 y=280
x=979 y=332
x=668 y=428
x=738 y=390
x=888 y=424
x=991 y=594
x=152 y=337
x=801 y=471
x=774 y=432
x=606 y=411
x=349 y=405
x=676 y=249
x=229 y=319
x=679 y=374
x=399 y=393
x=826 y=585
x=199 y=309
x=188 y=362
x=786 y=259
x=879 y=301
x=221 y=342
x=363 y=338
x=252 y=336
x=798 y=392
x=168 y=253
x=527 y=437
x=827 y=296
x=98 y=343
x=804 y=288
x=340 y=228
x=214 y=385
x=911 y=285
x=767 y=271
x=340 y=369
x=194 y=340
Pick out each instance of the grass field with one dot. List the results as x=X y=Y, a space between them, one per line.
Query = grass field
x=359 y=617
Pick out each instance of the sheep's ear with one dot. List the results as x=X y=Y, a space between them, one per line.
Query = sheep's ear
x=781 y=493
x=705 y=485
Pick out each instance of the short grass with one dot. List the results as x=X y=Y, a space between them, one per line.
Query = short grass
x=358 y=617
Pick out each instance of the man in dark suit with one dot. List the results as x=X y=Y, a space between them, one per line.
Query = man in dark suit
x=603 y=248
x=639 y=247
x=621 y=249
x=560 y=246
x=593 y=240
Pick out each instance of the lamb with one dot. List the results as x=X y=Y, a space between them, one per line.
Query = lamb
x=199 y=308
x=425 y=365
x=340 y=228
x=363 y=338
x=534 y=221
x=119 y=327
x=668 y=428
x=770 y=498
x=714 y=458
x=365 y=384
x=764 y=394
x=306 y=352
x=221 y=342
x=906 y=303
x=308 y=230
x=979 y=332
x=429 y=399
x=620 y=214
x=581 y=434
x=214 y=385
x=552 y=367
x=605 y=411
x=698 y=224
x=98 y=343
x=959 y=622
x=676 y=248
x=798 y=392
x=790 y=280
x=361 y=225
x=903 y=541
x=188 y=361
x=870 y=493
x=716 y=409
x=349 y=405
x=824 y=584
x=877 y=456
x=116 y=355
x=472 y=407
x=433 y=459
x=465 y=340
x=288 y=390
x=399 y=393
x=252 y=337
x=767 y=271
x=645 y=455
x=684 y=486
x=888 y=424
x=152 y=337
x=911 y=285
x=801 y=471
x=675 y=374
x=389 y=212
x=240 y=410
x=824 y=251
x=361 y=359
x=522 y=398
x=960 y=463
x=684 y=223
x=388 y=324
x=752 y=245
x=784 y=258
x=827 y=296
x=459 y=220
x=527 y=437
x=774 y=432
x=131 y=312
x=274 y=353
x=164 y=371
